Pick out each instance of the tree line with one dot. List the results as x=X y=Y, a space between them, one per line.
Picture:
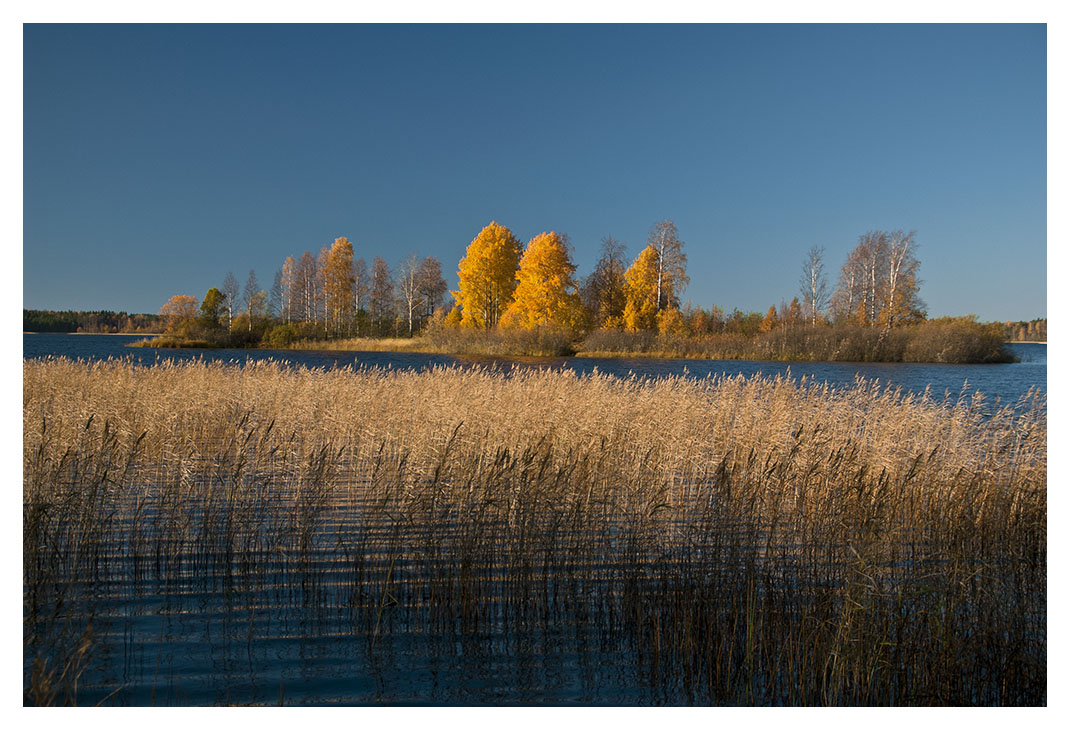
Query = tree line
x=329 y=295
x=507 y=286
x=504 y=284
x=97 y=321
x=1035 y=331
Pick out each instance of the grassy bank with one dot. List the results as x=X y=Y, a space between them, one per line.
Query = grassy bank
x=173 y=341
x=946 y=340
x=744 y=540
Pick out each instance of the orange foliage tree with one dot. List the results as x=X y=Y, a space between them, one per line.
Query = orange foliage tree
x=546 y=291
x=338 y=285
x=770 y=321
x=641 y=291
x=486 y=276
x=180 y=315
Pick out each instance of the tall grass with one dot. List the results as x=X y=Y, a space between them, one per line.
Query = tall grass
x=744 y=541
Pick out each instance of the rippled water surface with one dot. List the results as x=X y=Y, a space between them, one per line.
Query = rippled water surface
x=1006 y=381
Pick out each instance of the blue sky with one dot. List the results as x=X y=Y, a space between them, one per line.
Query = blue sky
x=157 y=158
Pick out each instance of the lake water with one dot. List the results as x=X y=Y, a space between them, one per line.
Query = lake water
x=1006 y=381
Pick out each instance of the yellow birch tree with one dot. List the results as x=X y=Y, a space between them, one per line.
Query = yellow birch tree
x=338 y=285
x=546 y=291
x=486 y=276
x=641 y=291
x=180 y=315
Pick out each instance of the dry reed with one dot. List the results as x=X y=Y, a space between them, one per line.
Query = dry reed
x=746 y=540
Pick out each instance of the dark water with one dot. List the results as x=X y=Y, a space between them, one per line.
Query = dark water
x=1006 y=381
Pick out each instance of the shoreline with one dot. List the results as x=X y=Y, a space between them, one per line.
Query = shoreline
x=48 y=332
x=595 y=354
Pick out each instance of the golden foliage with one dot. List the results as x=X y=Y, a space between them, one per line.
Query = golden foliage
x=453 y=318
x=338 y=284
x=641 y=291
x=180 y=313
x=546 y=291
x=671 y=323
x=486 y=276
x=770 y=321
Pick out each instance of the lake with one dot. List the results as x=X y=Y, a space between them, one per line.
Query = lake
x=1005 y=381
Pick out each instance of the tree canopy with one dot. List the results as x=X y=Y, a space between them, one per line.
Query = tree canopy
x=487 y=276
x=641 y=291
x=546 y=291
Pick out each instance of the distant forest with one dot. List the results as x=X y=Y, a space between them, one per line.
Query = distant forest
x=1033 y=331
x=99 y=321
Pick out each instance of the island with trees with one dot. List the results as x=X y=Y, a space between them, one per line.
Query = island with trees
x=517 y=299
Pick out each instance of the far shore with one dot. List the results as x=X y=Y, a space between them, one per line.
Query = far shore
x=419 y=345
x=47 y=332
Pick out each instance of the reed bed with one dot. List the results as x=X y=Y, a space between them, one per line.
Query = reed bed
x=729 y=541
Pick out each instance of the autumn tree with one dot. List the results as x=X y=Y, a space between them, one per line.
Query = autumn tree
x=409 y=289
x=381 y=298
x=338 y=286
x=248 y=293
x=794 y=314
x=813 y=285
x=671 y=278
x=305 y=293
x=671 y=323
x=179 y=314
x=431 y=285
x=546 y=291
x=641 y=291
x=230 y=294
x=879 y=281
x=769 y=322
x=603 y=293
x=288 y=282
x=361 y=288
x=698 y=321
x=860 y=278
x=275 y=295
x=212 y=308
x=487 y=276
x=901 y=303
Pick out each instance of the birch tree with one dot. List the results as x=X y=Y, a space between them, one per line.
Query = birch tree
x=381 y=299
x=408 y=288
x=179 y=314
x=546 y=291
x=641 y=288
x=487 y=276
x=879 y=281
x=902 y=303
x=307 y=285
x=361 y=280
x=813 y=285
x=671 y=278
x=289 y=289
x=338 y=286
x=431 y=285
x=248 y=294
x=275 y=295
x=230 y=296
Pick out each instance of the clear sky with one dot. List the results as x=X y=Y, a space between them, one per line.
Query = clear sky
x=158 y=158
